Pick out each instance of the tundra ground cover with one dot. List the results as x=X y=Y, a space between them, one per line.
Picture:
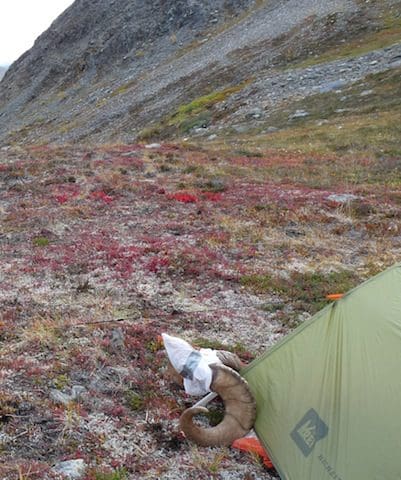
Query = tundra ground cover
x=103 y=249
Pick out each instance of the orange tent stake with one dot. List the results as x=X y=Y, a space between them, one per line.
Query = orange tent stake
x=252 y=445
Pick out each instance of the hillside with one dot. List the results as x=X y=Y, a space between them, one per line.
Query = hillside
x=95 y=47
x=129 y=77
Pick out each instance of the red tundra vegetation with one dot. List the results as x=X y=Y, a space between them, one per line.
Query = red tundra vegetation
x=104 y=249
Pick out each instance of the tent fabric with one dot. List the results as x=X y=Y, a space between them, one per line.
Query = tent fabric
x=329 y=395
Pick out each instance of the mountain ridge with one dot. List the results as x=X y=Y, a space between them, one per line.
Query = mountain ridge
x=190 y=50
x=2 y=71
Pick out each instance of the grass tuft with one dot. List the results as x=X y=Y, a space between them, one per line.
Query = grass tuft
x=41 y=241
x=306 y=291
x=120 y=474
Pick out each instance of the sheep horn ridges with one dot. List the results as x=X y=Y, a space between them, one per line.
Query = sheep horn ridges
x=239 y=415
x=230 y=359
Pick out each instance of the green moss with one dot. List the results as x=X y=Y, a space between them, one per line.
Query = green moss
x=306 y=291
x=203 y=120
x=272 y=307
x=207 y=101
x=199 y=106
x=134 y=400
x=120 y=474
x=197 y=170
x=154 y=346
x=41 y=241
x=196 y=114
x=257 y=283
x=123 y=88
x=61 y=381
x=248 y=153
x=213 y=185
x=201 y=342
x=215 y=415
x=149 y=133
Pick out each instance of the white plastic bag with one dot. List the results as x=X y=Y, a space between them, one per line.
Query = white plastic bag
x=191 y=364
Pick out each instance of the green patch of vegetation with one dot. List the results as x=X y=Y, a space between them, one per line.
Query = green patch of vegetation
x=272 y=307
x=248 y=153
x=306 y=291
x=8 y=406
x=197 y=170
x=201 y=103
x=153 y=131
x=201 y=120
x=213 y=185
x=120 y=474
x=377 y=134
x=67 y=127
x=201 y=342
x=215 y=415
x=258 y=283
x=155 y=345
x=134 y=400
x=61 y=381
x=196 y=114
x=123 y=88
x=41 y=242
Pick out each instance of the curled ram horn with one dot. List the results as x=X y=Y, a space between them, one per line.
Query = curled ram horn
x=230 y=359
x=239 y=414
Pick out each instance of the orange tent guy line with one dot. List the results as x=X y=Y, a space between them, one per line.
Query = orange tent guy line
x=334 y=296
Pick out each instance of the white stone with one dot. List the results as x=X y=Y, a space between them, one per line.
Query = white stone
x=153 y=145
x=72 y=469
x=65 y=398
x=342 y=197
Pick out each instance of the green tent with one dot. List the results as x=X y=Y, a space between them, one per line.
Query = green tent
x=329 y=395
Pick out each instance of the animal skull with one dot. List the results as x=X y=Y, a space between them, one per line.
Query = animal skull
x=239 y=415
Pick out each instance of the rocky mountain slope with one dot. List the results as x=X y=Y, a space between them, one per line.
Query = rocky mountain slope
x=2 y=72
x=125 y=70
